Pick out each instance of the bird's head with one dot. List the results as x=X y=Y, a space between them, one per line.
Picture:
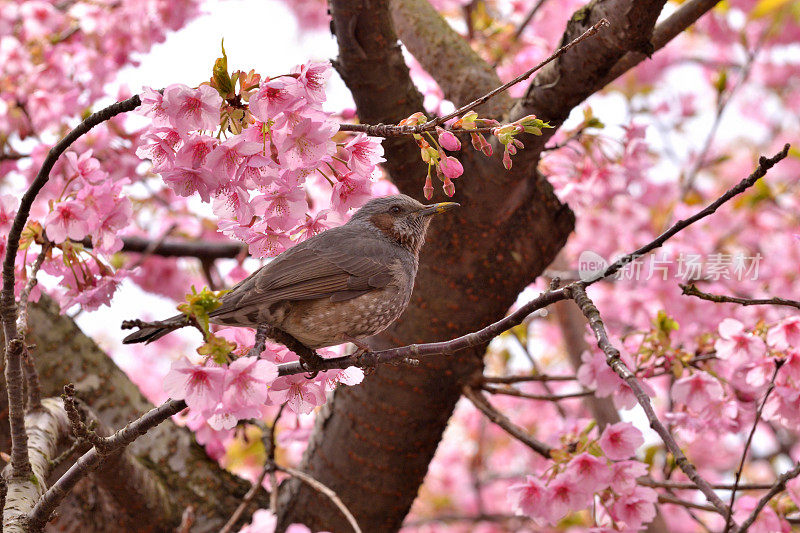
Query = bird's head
x=400 y=218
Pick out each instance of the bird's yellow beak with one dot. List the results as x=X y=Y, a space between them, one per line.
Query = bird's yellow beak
x=438 y=208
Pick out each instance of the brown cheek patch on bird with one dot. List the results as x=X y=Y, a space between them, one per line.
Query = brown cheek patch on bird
x=385 y=223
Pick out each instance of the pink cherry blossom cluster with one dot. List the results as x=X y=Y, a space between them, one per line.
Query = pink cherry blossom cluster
x=219 y=395
x=57 y=59
x=575 y=484
x=256 y=176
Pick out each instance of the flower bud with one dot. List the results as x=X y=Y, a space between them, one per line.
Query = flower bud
x=448 y=140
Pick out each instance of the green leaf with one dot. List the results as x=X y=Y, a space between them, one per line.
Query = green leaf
x=223 y=81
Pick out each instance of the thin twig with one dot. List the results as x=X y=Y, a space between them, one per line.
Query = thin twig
x=324 y=490
x=522 y=379
x=738 y=475
x=545 y=385
x=665 y=498
x=509 y=391
x=482 y=404
x=269 y=467
x=619 y=367
x=692 y=290
x=688 y=485
x=764 y=164
x=383 y=130
x=777 y=487
x=724 y=99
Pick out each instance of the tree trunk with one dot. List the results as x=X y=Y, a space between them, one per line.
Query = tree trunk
x=372 y=444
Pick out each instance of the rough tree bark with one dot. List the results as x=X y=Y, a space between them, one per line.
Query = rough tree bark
x=373 y=443
x=115 y=498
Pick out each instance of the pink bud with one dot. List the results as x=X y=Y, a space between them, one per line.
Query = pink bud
x=480 y=144
x=451 y=168
x=449 y=188
x=448 y=140
x=506 y=160
x=427 y=190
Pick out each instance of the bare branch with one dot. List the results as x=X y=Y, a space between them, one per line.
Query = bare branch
x=688 y=485
x=778 y=487
x=665 y=498
x=509 y=391
x=91 y=459
x=757 y=418
x=382 y=130
x=521 y=379
x=322 y=489
x=482 y=404
x=764 y=164
x=692 y=290
x=269 y=468
x=619 y=367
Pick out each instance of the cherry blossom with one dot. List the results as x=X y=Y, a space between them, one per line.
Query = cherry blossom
x=201 y=386
x=619 y=441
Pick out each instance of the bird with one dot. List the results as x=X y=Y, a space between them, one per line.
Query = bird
x=340 y=285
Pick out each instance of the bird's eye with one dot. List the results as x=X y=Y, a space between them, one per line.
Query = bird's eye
x=395 y=209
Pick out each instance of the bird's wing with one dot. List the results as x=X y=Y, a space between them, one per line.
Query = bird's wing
x=332 y=264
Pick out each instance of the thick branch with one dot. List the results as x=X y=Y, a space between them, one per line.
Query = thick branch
x=683 y=17
x=563 y=84
x=460 y=72
x=47 y=429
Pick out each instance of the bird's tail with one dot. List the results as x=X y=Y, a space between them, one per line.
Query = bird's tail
x=149 y=332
